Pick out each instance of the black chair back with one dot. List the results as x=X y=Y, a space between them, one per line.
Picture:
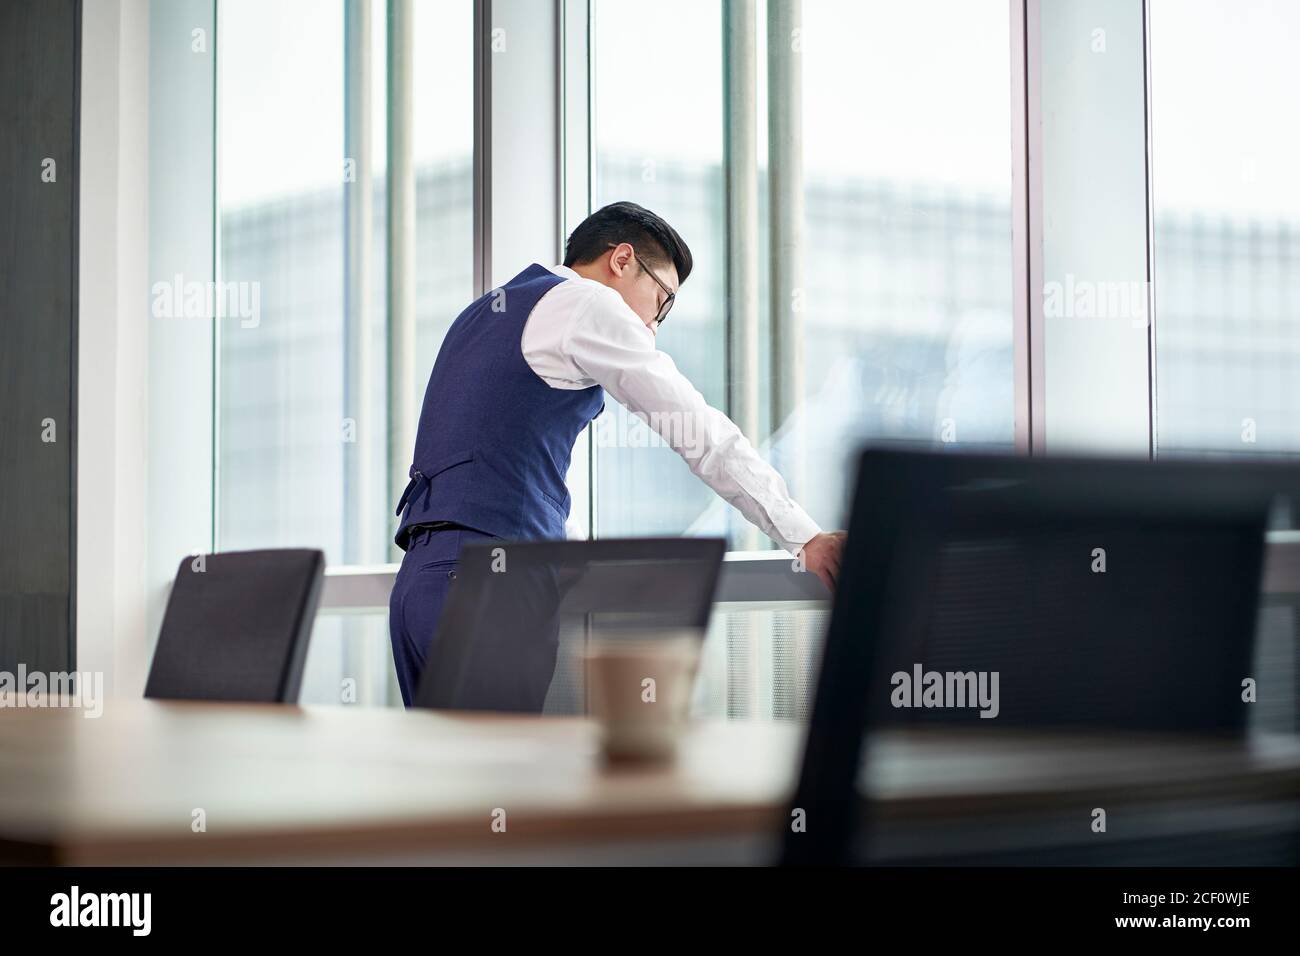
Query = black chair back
x=237 y=626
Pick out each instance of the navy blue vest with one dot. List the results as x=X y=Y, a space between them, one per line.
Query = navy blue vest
x=494 y=439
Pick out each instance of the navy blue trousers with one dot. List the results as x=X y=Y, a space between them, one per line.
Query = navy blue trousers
x=415 y=605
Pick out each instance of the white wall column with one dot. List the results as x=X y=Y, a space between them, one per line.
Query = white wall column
x=113 y=355
x=516 y=137
x=1089 y=294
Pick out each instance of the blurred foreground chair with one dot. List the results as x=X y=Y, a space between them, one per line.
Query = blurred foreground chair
x=1016 y=618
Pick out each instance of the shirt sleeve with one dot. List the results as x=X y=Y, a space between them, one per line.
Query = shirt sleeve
x=614 y=348
x=574 y=528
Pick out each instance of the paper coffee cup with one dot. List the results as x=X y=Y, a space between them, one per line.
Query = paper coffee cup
x=639 y=688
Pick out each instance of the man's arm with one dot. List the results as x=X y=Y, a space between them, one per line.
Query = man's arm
x=615 y=348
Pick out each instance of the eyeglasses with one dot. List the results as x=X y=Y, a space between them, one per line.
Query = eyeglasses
x=668 y=302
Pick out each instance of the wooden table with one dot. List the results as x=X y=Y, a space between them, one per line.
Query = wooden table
x=375 y=785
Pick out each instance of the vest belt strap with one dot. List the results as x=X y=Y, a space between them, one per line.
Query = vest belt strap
x=417 y=478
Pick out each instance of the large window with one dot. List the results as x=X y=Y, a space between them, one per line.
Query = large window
x=904 y=285
x=904 y=299
x=887 y=292
x=1226 y=150
x=302 y=410
x=287 y=420
x=906 y=304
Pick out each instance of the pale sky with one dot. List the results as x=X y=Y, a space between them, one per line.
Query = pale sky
x=1225 y=94
x=915 y=91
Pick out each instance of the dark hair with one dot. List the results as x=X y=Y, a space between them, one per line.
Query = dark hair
x=653 y=239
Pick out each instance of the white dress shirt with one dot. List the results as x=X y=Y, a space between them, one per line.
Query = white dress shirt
x=581 y=333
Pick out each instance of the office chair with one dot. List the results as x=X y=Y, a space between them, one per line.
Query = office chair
x=237 y=626
x=510 y=641
x=1109 y=596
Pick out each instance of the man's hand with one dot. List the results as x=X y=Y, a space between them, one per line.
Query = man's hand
x=822 y=556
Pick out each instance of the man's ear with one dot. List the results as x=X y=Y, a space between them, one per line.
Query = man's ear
x=620 y=258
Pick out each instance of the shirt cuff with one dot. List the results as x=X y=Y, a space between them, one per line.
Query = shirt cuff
x=795 y=529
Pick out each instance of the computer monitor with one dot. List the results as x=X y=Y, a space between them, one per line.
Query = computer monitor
x=518 y=615
x=993 y=591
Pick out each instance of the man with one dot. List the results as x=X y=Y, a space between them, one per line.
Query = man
x=521 y=372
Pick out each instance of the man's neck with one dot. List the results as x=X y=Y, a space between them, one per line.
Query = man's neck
x=590 y=270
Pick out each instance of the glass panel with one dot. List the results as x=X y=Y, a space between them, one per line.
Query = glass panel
x=907 y=280
x=1227 y=226
x=760 y=664
x=444 y=177
x=661 y=146
x=182 y=151
x=280 y=370
x=350 y=662
x=907 y=191
x=283 y=424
